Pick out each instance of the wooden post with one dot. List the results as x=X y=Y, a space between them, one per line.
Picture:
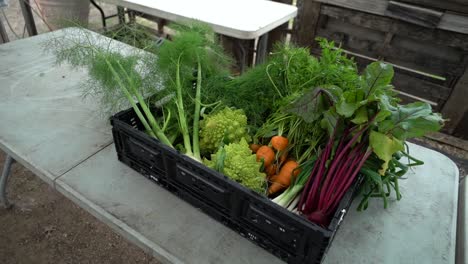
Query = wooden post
x=240 y=49
x=456 y=106
x=306 y=23
x=28 y=17
x=278 y=34
x=3 y=33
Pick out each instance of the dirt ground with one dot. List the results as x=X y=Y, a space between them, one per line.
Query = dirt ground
x=45 y=227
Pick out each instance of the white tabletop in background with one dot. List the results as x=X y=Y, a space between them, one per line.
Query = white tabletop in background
x=243 y=19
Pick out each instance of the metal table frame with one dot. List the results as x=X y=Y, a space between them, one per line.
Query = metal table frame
x=31 y=26
x=4 y=181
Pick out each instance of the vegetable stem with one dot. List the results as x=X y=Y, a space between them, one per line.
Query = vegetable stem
x=181 y=112
x=152 y=121
x=196 y=116
x=131 y=100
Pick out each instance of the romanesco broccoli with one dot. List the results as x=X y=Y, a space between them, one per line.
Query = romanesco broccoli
x=239 y=164
x=226 y=126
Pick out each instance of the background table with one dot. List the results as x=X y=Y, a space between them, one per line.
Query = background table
x=240 y=22
x=48 y=128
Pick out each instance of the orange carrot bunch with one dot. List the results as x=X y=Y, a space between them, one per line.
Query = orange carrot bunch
x=276 y=165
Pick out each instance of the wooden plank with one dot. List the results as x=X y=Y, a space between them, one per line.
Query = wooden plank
x=462 y=128
x=306 y=23
x=450 y=140
x=421 y=56
x=453 y=5
x=367 y=47
x=411 y=85
x=449 y=21
x=385 y=24
x=356 y=17
x=432 y=59
x=407 y=98
x=362 y=61
x=424 y=89
x=454 y=22
x=375 y=7
x=413 y=14
x=352 y=37
x=386 y=43
x=456 y=106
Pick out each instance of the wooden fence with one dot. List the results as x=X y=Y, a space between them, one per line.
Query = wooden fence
x=425 y=40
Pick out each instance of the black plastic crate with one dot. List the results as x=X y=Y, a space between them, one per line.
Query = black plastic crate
x=290 y=237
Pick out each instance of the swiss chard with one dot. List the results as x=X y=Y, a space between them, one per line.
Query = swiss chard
x=367 y=129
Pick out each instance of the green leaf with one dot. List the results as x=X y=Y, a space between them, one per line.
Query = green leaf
x=221 y=156
x=384 y=147
x=309 y=106
x=377 y=77
x=329 y=121
x=350 y=101
x=382 y=114
x=361 y=116
x=314 y=102
x=411 y=120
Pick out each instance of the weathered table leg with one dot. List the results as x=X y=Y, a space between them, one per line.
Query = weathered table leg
x=262 y=49
x=121 y=14
x=101 y=11
x=4 y=181
x=131 y=16
x=3 y=33
x=240 y=49
x=28 y=17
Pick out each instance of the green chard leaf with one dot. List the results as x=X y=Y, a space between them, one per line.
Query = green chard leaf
x=384 y=147
x=329 y=121
x=361 y=116
x=377 y=78
x=350 y=101
x=411 y=120
x=311 y=105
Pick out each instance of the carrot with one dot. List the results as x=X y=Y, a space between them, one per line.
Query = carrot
x=266 y=154
x=283 y=179
x=279 y=143
x=254 y=147
x=271 y=170
x=283 y=157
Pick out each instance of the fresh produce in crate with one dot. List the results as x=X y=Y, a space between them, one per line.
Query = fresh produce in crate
x=223 y=127
x=315 y=126
x=236 y=161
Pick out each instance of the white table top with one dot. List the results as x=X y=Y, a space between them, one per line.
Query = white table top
x=243 y=19
x=46 y=126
